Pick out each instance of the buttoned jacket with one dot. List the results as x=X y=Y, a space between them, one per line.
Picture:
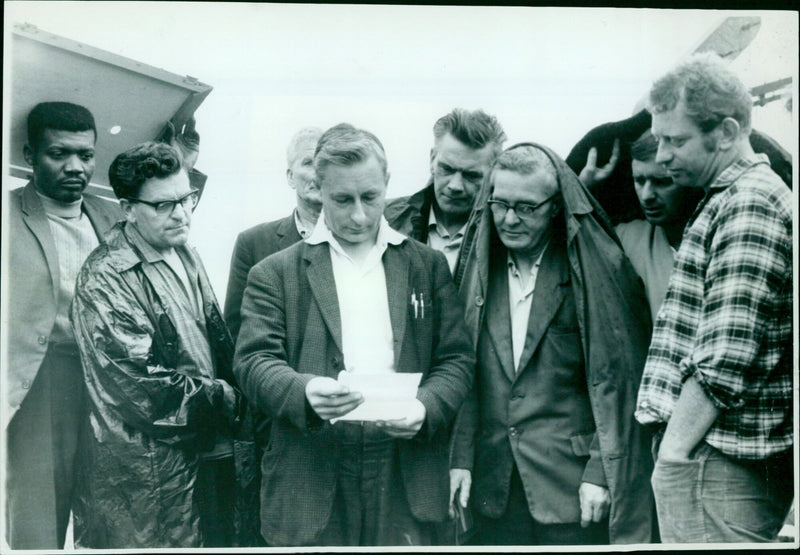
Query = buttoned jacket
x=536 y=416
x=614 y=326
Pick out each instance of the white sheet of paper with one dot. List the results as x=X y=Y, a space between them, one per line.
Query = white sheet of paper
x=387 y=396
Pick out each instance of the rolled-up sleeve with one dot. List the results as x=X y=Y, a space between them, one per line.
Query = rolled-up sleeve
x=750 y=264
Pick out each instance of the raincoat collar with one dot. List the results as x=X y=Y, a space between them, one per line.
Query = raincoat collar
x=127 y=248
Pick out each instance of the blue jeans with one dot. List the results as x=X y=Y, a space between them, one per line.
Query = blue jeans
x=711 y=497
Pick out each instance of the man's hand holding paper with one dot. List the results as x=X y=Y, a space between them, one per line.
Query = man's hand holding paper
x=331 y=399
x=390 y=400
x=405 y=428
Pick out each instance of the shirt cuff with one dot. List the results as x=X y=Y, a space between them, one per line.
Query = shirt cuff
x=593 y=471
x=721 y=398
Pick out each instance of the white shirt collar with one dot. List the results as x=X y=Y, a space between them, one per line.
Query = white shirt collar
x=302 y=230
x=322 y=234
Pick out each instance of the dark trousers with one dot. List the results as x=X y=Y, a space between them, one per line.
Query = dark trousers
x=42 y=442
x=215 y=491
x=517 y=527
x=247 y=498
x=370 y=505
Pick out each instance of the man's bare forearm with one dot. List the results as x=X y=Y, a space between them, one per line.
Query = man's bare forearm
x=690 y=421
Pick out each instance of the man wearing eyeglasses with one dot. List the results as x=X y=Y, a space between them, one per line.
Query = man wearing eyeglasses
x=545 y=446
x=465 y=145
x=157 y=458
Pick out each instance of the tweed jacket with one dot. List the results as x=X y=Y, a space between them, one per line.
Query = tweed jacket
x=34 y=282
x=614 y=325
x=252 y=246
x=291 y=333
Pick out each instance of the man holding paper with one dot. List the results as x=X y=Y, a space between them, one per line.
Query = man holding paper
x=354 y=296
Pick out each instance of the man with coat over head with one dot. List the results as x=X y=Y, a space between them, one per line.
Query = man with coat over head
x=546 y=446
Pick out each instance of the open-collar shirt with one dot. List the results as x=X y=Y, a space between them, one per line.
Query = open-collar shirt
x=181 y=297
x=440 y=239
x=520 y=298
x=302 y=229
x=727 y=316
x=367 y=337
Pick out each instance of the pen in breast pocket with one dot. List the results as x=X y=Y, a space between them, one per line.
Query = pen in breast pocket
x=414 y=303
x=422 y=304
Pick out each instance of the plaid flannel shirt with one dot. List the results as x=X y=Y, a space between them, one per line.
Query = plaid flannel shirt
x=727 y=317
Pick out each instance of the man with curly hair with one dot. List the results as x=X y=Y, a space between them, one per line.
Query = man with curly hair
x=157 y=457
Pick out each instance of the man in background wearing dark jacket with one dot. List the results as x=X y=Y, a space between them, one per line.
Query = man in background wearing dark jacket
x=465 y=146
x=355 y=298
x=255 y=244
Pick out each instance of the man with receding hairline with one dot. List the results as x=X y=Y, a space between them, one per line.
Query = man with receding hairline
x=262 y=240
x=545 y=446
x=354 y=296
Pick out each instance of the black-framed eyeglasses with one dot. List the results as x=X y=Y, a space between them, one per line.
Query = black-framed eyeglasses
x=523 y=210
x=166 y=207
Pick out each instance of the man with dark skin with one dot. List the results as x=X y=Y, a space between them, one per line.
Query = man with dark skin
x=53 y=227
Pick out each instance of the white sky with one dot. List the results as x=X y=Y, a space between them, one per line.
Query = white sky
x=548 y=74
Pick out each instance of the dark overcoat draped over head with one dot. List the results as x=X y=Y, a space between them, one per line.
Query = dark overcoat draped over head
x=615 y=327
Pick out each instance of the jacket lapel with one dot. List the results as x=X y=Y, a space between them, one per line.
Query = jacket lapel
x=35 y=218
x=323 y=287
x=498 y=315
x=547 y=297
x=102 y=213
x=287 y=232
x=396 y=268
